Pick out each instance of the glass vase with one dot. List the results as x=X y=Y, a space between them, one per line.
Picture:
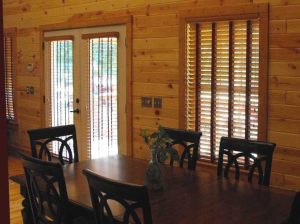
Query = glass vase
x=153 y=175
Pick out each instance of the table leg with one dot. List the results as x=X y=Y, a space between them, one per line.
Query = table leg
x=26 y=211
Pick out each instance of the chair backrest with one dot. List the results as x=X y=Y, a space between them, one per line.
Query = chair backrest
x=63 y=138
x=131 y=197
x=247 y=149
x=46 y=190
x=190 y=142
x=295 y=210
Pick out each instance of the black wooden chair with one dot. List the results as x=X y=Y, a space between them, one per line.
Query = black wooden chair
x=130 y=196
x=190 y=142
x=47 y=192
x=295 y=211
x=43 y=140
x=246 y=148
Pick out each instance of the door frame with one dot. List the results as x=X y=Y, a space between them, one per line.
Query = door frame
x=101 y=21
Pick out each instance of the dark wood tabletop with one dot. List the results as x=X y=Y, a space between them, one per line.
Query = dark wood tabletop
x=188 y=197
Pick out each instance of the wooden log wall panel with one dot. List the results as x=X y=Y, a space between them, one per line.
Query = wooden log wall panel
x=284 y=83
x=155 y=77
x=293 y=26
x=285 y=12
x=167 y=112
x=156 y=32
x=284 y=139
x=277 y=96
x=165 y=66
x=151 y=89
x=155 y=65
x=278 y=26
x=293 y=98
x=156 y=54
x=287 y=167
x=288 y=69
x=280 y=40
x=288 y=154
x=284 y=111
x=284 y=54
x=23 y=81
x=156 y=43
x=156 y=20
x=284 y=125
x=150 y=121
x=273 y=3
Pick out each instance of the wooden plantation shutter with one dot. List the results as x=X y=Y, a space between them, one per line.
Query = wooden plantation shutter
x=10 y=73
x=103 y=71
x=222 y=86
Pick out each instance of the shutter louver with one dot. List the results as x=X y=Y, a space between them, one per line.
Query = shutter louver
x=9 y=77
x=222 y=81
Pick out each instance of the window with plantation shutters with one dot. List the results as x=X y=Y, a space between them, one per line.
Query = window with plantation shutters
x=225 y=80
x=10 y=73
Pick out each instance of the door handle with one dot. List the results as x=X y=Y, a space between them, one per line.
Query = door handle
x=75 y=111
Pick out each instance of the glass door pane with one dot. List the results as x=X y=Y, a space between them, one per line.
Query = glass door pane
x=103 y=104
x=61 y=82
x=59 y=85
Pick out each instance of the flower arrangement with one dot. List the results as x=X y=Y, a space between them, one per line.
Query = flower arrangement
x=160 y=145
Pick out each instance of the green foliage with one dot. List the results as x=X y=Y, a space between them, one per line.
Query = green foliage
x=160 y=144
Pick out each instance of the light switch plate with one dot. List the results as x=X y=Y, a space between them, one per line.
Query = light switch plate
x=157 y=102
x=146 y=101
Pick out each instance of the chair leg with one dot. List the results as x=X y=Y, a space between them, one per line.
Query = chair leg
x=26 y=210
x=220 y=163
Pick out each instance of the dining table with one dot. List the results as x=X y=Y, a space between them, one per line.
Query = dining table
x=188 y=197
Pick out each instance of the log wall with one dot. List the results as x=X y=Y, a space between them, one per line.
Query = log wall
x=155 y=65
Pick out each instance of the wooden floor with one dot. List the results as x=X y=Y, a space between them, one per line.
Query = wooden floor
x=15 y=199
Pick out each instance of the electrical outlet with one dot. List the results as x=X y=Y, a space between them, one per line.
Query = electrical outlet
x=157 y=102
x=146 y=101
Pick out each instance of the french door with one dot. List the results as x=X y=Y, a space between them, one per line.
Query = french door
x=85 y=85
